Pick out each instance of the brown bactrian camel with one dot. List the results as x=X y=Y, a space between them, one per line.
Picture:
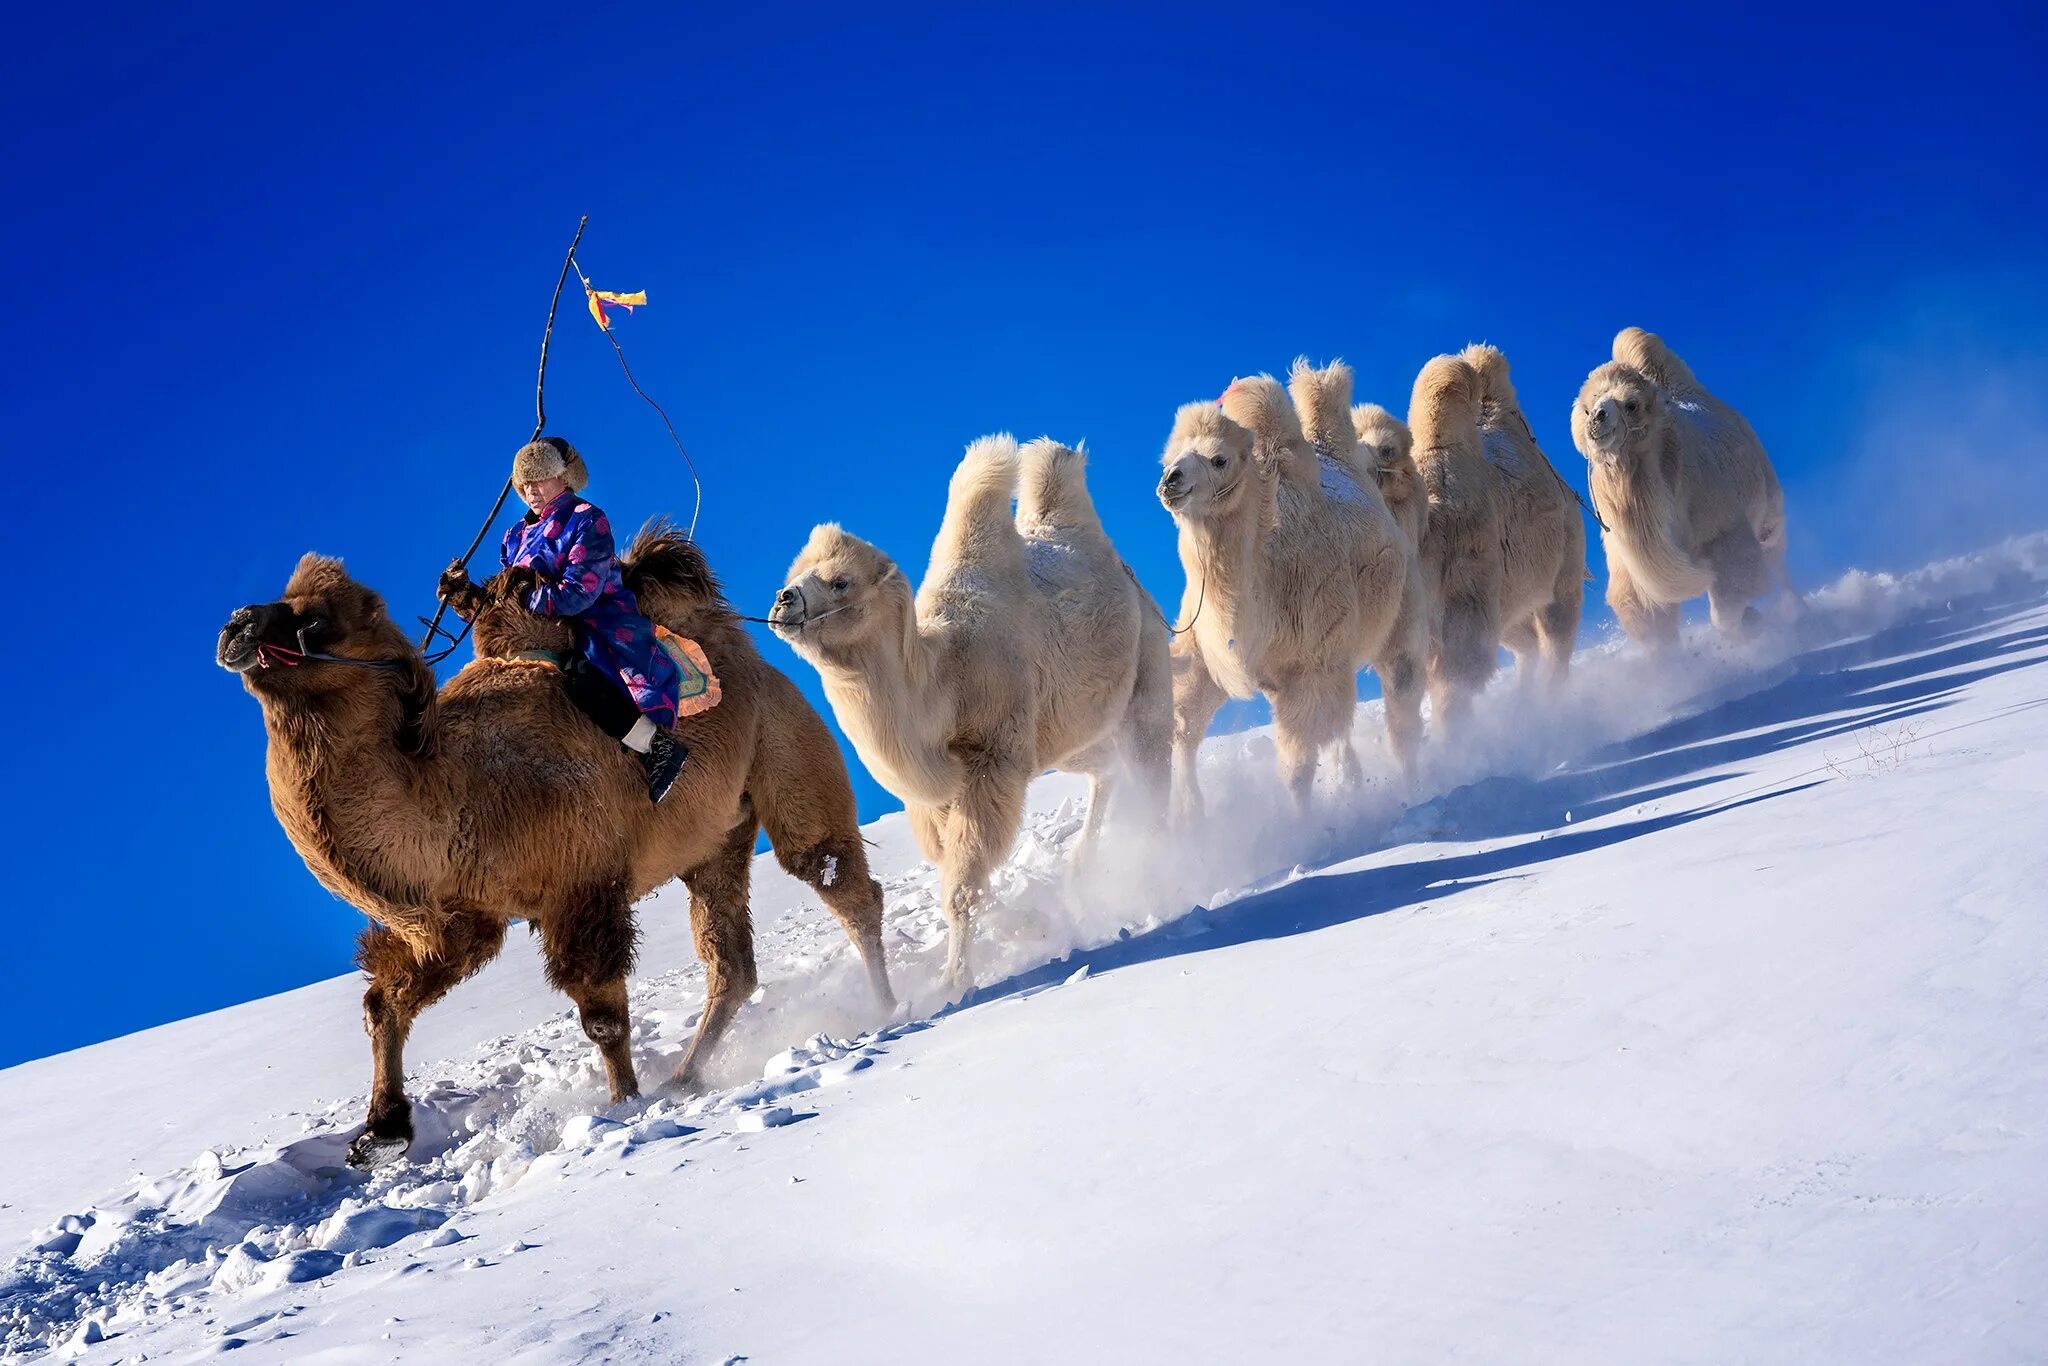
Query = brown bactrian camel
x=1029 y=646
x=1543 y=538
x=444 y=817
x=1691 y=502
x=1297 y=577
x=1387 y=447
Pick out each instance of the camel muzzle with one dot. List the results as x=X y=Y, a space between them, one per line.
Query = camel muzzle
x=240 y=640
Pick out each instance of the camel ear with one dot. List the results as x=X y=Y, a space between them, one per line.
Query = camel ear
x=418 y=718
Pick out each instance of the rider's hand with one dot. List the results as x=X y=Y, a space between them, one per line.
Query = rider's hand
x=455 y=584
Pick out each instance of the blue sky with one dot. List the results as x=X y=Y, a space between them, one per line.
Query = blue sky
x=279 y=279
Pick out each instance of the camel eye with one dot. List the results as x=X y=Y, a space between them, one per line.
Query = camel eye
x=1219 y=461
x=840 y=586
x=1631 y=405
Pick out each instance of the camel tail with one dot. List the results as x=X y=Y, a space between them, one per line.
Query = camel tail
x=1492 y=368
x=1322 y=402
x=1052 y=486
x=1646 y=351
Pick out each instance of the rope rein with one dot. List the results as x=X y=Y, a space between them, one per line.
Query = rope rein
x=268 y=654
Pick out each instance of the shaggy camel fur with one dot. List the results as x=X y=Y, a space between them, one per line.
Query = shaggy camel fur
x=1029 y=646
x=444 y=817
x=1504 y=553
x=1543 y=539
x=1691 y=502
x=1297 y=577
x=1388 y=447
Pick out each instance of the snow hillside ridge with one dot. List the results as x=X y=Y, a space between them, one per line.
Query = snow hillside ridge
x=1640 y=1037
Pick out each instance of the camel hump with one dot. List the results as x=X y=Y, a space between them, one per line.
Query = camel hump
x=668 y=573
x=1646 y=351
x=978 y=500
x=1052 y=486
x=1261 y=407
x=1492 y=368
x=1444 y=380
x=1322 y=404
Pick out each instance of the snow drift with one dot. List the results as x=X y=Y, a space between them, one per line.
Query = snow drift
x=1697 y=1018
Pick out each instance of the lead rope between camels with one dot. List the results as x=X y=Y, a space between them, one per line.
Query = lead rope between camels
x=1201 y=596
x=1577 y=497
x=540 y=422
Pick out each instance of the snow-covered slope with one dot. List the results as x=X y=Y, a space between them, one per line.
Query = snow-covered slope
x=1703 y=1017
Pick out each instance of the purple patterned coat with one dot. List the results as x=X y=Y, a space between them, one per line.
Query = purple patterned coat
x=569 y=544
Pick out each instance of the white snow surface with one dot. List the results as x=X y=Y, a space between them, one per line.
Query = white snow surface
x=1699 y=1017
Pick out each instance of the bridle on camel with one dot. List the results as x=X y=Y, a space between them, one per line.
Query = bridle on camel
x=285 y=656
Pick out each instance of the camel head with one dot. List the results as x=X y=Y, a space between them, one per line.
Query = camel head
x=842 y=595
x=505 y=626
x=1383 y=439
x=1208 y=471
x=1619 y=416
x=278 y=648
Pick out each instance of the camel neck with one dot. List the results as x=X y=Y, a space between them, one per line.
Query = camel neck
x=884 y=695
x=346 y=797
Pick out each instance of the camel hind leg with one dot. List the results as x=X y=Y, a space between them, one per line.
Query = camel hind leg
x=1740 y=577
x=801 y=794
x=1146 y=739
x=1467 y=650
x=403 y=982
x=588 y=947
x=723 y=927
x=1524 y=644
x=1196 y=699
x=834 y=863
x=1557 y=624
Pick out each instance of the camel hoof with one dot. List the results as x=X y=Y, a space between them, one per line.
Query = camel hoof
x=374 y=1150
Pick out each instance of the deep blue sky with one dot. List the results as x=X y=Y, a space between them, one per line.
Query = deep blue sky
x=279 y=278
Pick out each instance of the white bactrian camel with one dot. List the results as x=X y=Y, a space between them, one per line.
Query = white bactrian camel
x=1504 y=551
x=1297 y=577
x=1029 y=646
x=1691 y=502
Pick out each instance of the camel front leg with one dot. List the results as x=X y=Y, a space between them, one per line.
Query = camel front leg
x=402 y=984
x=1652 y=625
x=723 y=926
x=1310 y=711
x=588 y=947
x=981 y=826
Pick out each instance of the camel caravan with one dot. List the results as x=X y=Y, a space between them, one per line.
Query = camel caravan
x=618 y=728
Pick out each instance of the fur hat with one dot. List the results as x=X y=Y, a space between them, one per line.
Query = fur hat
x=550 y=457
